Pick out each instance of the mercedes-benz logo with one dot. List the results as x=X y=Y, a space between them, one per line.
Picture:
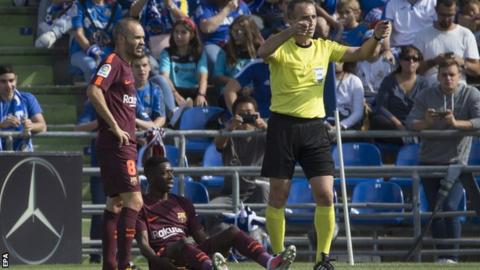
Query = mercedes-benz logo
x=39 y=173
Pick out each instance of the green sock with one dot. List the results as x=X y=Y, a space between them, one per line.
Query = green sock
x=276 y=227
x=324 y=226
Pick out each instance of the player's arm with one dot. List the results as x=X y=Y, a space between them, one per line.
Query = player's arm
x=353 y=54
x=159 y=261
x=96 y=97
x=199 y=236
x=275 y=41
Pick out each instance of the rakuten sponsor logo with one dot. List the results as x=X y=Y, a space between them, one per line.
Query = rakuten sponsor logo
x=130 y=100
x=165 y=233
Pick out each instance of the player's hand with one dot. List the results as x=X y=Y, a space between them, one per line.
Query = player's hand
x=10 y=121
x=382 y=29
x=200 y=100
x=122 y=136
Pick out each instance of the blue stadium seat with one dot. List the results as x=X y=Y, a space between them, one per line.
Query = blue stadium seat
x=172 y=155
x=376 y=192
x=358 y=154
x=474 y=158
x=300 y=192
x=462 y=206
x=407 y=156
x=194 y=191
x=197 y=118
x=212 y=158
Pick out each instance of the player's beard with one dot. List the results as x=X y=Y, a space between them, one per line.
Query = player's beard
x=135 y=52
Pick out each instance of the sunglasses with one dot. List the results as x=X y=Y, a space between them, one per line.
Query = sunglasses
x=411 y=58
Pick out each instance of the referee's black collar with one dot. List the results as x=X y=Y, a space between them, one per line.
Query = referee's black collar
x=304 y=46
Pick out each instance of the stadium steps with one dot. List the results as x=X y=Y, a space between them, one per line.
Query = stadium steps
x=17 y=25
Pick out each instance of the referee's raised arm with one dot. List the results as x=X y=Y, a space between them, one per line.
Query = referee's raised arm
x=273 y=42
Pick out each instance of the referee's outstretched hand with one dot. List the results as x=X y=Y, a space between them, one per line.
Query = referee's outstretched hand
x=123 y=136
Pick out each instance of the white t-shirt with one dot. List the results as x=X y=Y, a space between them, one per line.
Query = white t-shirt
x=408 y=19
x=350 y=99
x=372 y=74
x=432 y=42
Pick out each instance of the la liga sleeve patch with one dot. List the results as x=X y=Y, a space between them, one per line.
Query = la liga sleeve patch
x=104 y=70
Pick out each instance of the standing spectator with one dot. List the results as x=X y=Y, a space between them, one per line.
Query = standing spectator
x=256 y=74
x=213 y=18
x=351 y=30
x=112 y=93
x=350 y=100
x=53 y=21
x=397 y=93
x=296 y=132
x=447 y=106
x=408 y=18
x=446 y=39
x=469 y=17
x=92 y=26
x=184 y=64
x=149 y=96
x=157 y=18
x=19 y=111
x=245 y=39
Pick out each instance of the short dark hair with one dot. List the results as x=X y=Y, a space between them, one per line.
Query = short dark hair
x=153 y=162
x=121 y=27
x=447 y=3
x=293 y=3
x=244 y=99
x=6 y=69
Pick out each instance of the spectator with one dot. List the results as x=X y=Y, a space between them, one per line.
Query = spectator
x=349 y=91
x=214 y=18
x=408 y=18
x=397 y=93
x=53 y=21
x=245 y=39
x=87 y=121
x=184 y=64
x=446 y=39
x=244 y=151
x=257 y=74
x=368 y=5
x=469 y=17
x=350 y=32
x=447 y=106
x=92 y=26
x=149 y=97
x=19 y=111
x=372 y=72
x=157 y=18
x=275 y=21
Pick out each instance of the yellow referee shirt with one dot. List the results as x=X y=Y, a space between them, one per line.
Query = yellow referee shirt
x=297 y=77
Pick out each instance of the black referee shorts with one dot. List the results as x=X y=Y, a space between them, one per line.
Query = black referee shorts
x=291 y=139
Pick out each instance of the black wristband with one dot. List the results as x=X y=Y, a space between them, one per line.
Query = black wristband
x=375 y=37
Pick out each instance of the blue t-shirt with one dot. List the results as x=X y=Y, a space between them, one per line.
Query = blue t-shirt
x=183 y=71
x=220 y=36
x=258 y=74
x=23 y=105
x=223 y=69
x=354 y=36
x=156 y=19
x=367 y=5
x=100 y=15
x=151 y=100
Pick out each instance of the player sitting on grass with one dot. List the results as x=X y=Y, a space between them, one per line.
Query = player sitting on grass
x=167 y=220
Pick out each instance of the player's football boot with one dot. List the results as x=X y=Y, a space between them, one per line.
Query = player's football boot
x=325 y=263
x=283 y=260
x=219 y=262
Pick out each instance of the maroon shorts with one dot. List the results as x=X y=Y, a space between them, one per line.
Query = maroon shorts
x=118 y=172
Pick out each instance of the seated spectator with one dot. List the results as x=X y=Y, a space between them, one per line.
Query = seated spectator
x=53 y=21
x=372 y=72
x=213 y=18
x=351 y=31
x=167 y=220
x=92 y=26
x=349 y=91
x=184 y=64
x=19 y=111
x=397 y=93
x=446 y=39
x=245 y=39
x=149 y=96
x=448 y=105
x=257 y=75
x=157 y=18
x=244 y=151
x=469 y=17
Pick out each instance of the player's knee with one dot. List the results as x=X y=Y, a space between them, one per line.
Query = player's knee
x=277 y=198
x=323 y=198
x=232 y=231
x=134 y=203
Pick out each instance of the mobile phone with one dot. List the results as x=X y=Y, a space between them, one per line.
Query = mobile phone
x=439 y=114
x=449 y=54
